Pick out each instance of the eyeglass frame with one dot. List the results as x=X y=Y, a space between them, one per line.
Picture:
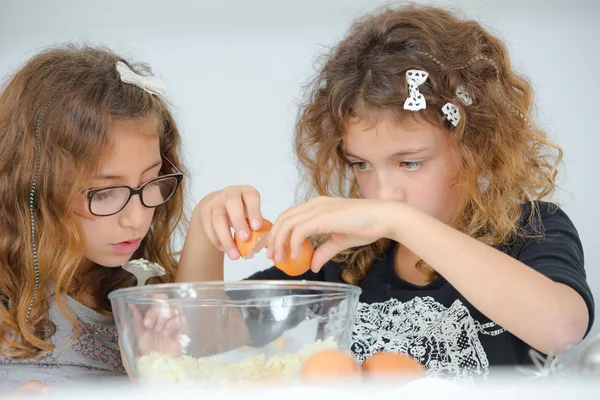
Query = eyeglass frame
x=91 y=192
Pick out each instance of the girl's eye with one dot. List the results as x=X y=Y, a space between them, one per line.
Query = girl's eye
x=360 y=165
x=153 y=184
x=104 y=194
x=411 y=165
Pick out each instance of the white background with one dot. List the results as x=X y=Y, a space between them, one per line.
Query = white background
x=235 y=70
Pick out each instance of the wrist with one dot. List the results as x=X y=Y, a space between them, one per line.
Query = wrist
x=396 y=216
x=196 y=236
x=196 y=222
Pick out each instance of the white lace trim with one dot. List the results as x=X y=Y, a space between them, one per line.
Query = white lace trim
x=445 y=340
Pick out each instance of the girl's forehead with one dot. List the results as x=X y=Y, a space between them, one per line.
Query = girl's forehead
x=375 y=119
x=387 y=128
x=126 y=133
x=144 y=125
x=131 y=151
x=390 y=137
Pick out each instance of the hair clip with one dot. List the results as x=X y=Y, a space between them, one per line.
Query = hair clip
x=415 y=100
x=451 y=112
x=463 y=95
x=150 y=84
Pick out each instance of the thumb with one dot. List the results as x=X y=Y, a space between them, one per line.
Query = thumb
x=324 y=253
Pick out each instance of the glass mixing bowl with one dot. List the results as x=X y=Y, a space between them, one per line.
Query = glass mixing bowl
x=211 y=334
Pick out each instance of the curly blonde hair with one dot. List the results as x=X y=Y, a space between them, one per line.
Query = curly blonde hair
x=495 y=137
x=88 y=97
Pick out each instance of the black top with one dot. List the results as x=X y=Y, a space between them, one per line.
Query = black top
x=435 y=323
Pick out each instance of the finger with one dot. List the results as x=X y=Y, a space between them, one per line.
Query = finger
x=152 y=315
x=324 y=253
x=278 y=239
x=164 y=315
x=221 y=225
x=182 y=321
x=275 y=233
x=299 y=234
x=294 y=229
x=305 y=221
x=138 y=323
x=175 y=326
x=300 y=211
x=235 y=211
x=251 y=199
x=282 y=241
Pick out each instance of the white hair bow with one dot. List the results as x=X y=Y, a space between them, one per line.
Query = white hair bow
x=150 y=84
x=463 y=95
x=451 y=112
x=415 y=100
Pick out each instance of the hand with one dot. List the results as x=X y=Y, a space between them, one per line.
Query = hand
x=226 y=208
x=159 y=329
x=31 y=388
x=214 y=329
x=349 y=222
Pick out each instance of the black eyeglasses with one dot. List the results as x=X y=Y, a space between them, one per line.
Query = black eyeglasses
x=110 y=200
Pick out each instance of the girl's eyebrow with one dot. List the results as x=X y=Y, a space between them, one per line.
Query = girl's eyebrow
x=404 y=152
x=111 y=177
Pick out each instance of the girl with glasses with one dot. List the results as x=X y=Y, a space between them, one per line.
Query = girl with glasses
x=90 y=176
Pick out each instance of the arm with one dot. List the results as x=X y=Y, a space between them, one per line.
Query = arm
x=202 y=256
x=542 y=297
x=200 y=260
x=548 y=315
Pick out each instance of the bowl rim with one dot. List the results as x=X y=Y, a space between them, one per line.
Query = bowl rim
x=331 y=287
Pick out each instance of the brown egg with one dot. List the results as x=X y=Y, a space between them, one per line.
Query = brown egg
x=246 y=248
x=386 y=364
x=291 y=266
x=301 y=264
x=330 y=365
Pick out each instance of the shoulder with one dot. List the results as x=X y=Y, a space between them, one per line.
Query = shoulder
x=544 y=224
x=554 y=249
x=542 y=216
x=544 y=227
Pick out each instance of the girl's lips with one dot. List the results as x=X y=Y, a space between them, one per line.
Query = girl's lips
x=127 y=247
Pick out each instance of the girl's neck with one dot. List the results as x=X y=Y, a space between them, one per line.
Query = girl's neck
x=87 y=266
x=405 y=262
x=84 y=294
x=86 y=298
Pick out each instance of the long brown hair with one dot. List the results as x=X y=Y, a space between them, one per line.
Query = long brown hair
x=80 y=91
x=496 y=138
